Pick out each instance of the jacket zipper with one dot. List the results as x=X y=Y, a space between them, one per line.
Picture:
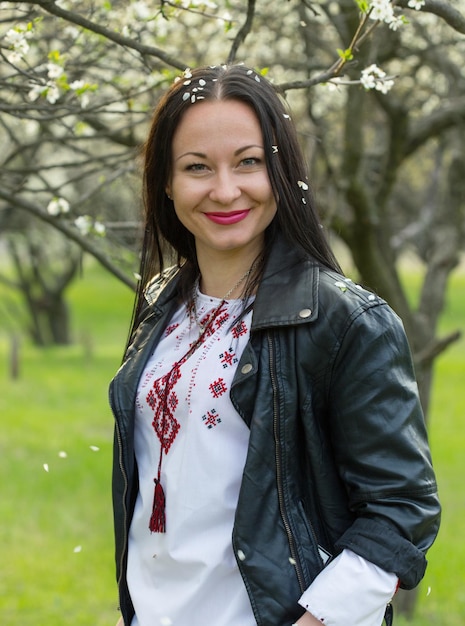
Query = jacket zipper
x=278 y=458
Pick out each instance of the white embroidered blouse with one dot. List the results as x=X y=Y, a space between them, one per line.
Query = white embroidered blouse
x=187 y=426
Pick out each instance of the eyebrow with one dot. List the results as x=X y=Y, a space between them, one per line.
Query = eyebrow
x=237 y=152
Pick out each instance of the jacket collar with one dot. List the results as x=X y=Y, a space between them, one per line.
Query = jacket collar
x=287 y=294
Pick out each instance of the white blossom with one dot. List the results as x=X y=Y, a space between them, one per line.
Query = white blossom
x=35 y=92
x=381 y=10
x=99 y=228
x=15 y=38
x=374 y=77
x=53 y=93
x=57 y=206
x=77 y=84
x=84 y=224
x=396 y=23
x=416 y=4
x=49 y=90
x=54 y=70
x=14 y=57
x=80 y=86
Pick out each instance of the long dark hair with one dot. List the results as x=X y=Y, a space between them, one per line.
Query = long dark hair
x=165 y=237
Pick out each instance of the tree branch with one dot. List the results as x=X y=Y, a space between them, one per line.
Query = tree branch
x=434 y=124
x=70 y=16
x=70 y=232
x=435 y=348
x=442 y=9
x=243 y=31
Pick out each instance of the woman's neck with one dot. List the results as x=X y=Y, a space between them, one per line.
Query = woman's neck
x=226 y=278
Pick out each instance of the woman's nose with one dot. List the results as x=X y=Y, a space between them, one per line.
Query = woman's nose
x=225 y=188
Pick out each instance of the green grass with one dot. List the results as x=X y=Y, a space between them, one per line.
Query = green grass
x=59 y=403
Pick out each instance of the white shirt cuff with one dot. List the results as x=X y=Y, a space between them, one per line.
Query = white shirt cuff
x=350 y=591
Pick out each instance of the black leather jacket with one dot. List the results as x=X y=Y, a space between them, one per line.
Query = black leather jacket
x=338 y=455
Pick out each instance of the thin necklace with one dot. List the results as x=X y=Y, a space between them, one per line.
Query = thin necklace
x=206 y=322
x=157 y=521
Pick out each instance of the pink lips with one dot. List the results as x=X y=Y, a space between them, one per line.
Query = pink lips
x=227 y=218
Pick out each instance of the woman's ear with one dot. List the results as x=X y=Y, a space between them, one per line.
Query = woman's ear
x=168 y=191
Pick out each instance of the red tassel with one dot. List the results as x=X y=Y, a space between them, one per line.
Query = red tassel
x=157 y=521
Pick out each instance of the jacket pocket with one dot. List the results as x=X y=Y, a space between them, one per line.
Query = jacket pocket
x=316 y=555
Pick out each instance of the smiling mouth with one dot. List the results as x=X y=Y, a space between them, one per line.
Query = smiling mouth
x=227 y=218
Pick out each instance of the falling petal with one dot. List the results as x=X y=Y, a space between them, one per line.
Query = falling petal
x=371 y=297
x=77 y=549
x=275 y=149
x=428 y=591
x=202 y=82
x=94 y=448
x=292 y=561
x=257 y=78
x=186 y=96
x=302 y=185
x=187 y=82
x=304 y=201
x=342 y=286
x=46 y=467
x=286 y=116
x=62 y=454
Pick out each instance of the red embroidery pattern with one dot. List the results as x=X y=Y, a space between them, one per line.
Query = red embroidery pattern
x=170 y=329
x=221 y=319
x=228 y=358
x=211 y=419
x=163 y=400
x=218 y=388
x=239 y=329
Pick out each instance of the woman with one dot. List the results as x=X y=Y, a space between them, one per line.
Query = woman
x=271 y=463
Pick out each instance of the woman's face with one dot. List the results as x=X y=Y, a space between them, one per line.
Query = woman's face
x=219 y=182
